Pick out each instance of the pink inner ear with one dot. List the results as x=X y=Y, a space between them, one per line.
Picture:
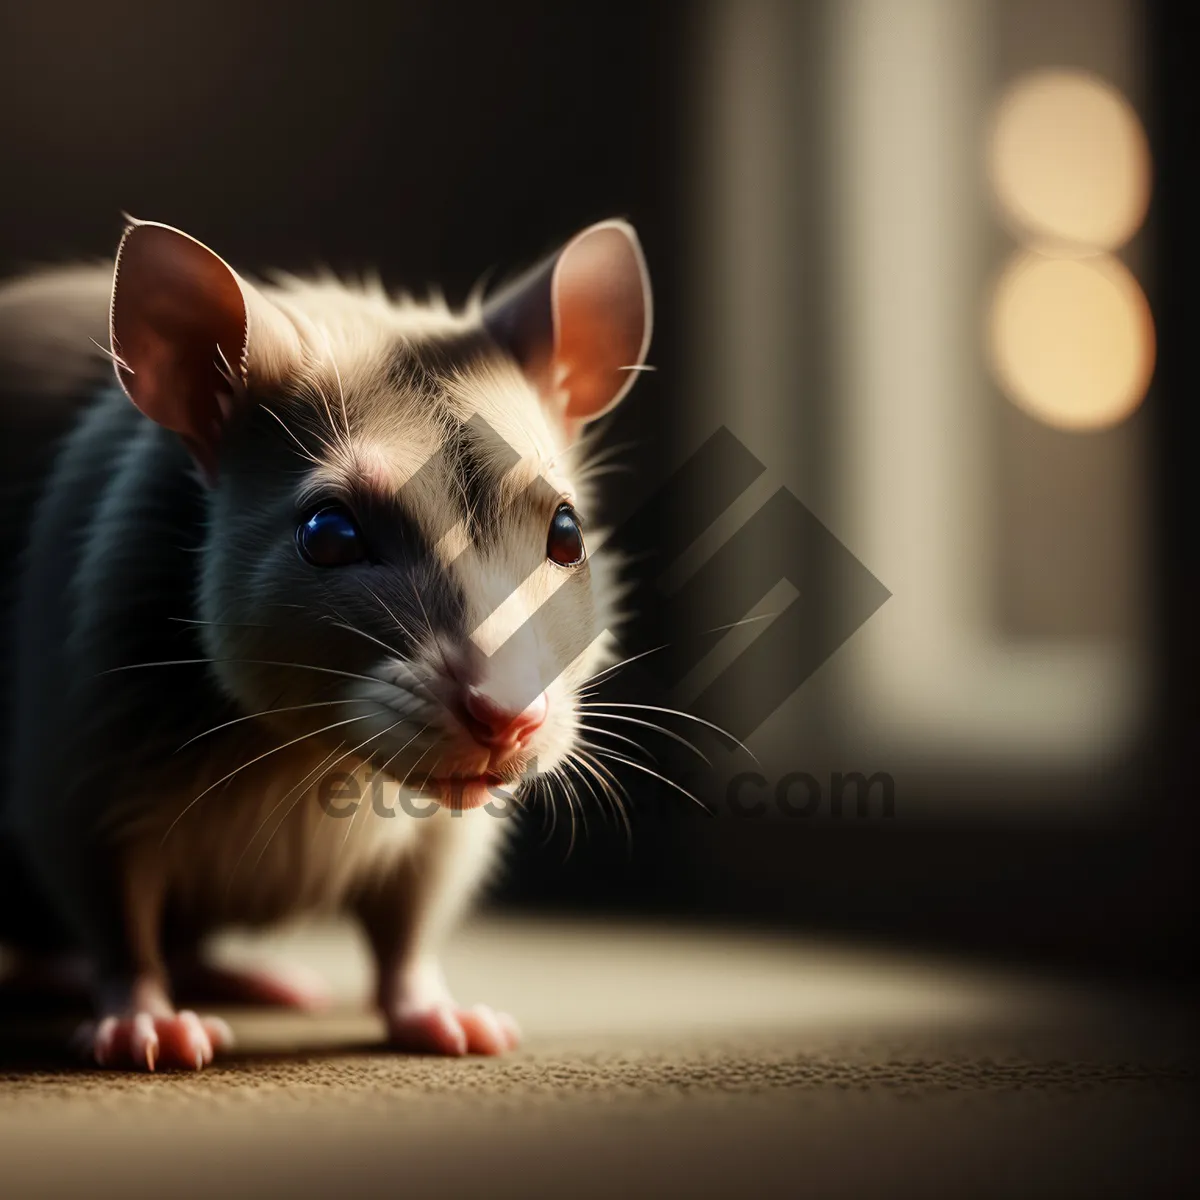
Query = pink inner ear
x=601 y=317
x=177 y=312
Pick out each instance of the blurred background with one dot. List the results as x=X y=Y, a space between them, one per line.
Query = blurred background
x=924 y=260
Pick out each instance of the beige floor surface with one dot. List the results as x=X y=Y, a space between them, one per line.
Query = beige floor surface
x=658 y=1061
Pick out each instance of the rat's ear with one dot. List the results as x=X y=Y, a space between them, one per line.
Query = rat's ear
x=180 y=329
x=579 y=324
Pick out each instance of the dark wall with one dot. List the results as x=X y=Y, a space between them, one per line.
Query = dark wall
x=435 y=140
x=429 y=139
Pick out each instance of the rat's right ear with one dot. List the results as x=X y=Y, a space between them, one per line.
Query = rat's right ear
x=579 y=324
x=180 y=330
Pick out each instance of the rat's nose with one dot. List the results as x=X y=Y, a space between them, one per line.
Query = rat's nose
x=500 y=728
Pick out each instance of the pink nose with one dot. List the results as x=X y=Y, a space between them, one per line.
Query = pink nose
x=497 y=727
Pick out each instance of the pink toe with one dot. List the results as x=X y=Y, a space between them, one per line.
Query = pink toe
x=431 y=1031
x=218 y=1031
x=198 y=1048
x=143 y=1042
x=484 y=1032
x=104 y=1040
x=511 y=1031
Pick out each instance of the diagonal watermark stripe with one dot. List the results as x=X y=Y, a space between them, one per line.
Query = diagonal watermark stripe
x=781 y=540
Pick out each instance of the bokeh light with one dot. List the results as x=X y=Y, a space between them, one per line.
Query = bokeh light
x=1072 y=341
x=1069 y=160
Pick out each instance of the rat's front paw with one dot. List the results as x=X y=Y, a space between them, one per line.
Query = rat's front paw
x=447 y=1029
x=144 y=1041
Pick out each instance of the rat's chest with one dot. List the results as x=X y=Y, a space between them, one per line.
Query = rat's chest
x=282 y=839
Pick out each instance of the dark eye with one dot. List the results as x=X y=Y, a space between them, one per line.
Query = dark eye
x=330 y=538
x=564 y=545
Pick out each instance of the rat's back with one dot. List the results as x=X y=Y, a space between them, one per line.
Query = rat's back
x=75 y=454
x=52 y=327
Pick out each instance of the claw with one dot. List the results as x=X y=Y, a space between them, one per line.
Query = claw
x=144 y=1042
x=451 y=1031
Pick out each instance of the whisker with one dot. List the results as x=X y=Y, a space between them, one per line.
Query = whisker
x=258 y=758
x=314 y=429
x=115 y=359
x=587 y=476
x=337 y=374
x=354 y=750
x=329 y=412
x=304 y=450
x=223 y=624
x=620 y=796
x=675 y=712
x=591 y=758
x=421 y=602
x=609 y=452
x=594 y=679
x=354 y=814
x=429 y=773
x=266 y=712
x=538 y=786
x=341 y=759
x=629 y=762
x=429 y=627
x=404 y=629
x=587 y=763
x=274 y=809
x=555 y=777
x=256 y=662
x=234 y=378
x=618 y=736
x=600 y=675
x=383 y=769
x=340 y=624
x=572 y=803
x=659 y=729
x=744 y=621
x=576 y=768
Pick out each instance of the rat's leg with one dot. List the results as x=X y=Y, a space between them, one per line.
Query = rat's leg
x=137 y=1026
x=406 y=914
x=35 y=982
x=197 y=980
x=41 y=970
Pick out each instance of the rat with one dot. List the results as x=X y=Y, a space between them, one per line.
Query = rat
x=301 y=603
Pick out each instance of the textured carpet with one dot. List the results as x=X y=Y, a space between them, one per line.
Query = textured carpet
x=658 y=1061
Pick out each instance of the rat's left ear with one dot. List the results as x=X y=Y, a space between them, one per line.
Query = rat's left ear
x=184 y=328
x=579 y=324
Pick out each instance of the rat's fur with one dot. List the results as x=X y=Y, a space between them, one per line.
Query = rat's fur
x=158 y=612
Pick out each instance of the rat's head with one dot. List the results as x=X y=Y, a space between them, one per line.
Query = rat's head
x=399 y=561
